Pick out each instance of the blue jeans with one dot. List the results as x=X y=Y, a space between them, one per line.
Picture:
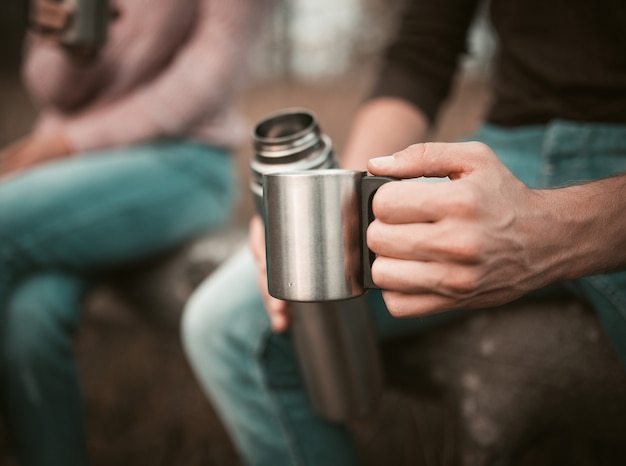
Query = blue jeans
x=60 y=225
x=251 y=375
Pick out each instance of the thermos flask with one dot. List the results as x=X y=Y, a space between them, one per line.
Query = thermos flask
x=334 y=339
x=88 y=23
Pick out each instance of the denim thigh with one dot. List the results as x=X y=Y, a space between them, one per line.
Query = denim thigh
x=87 y=213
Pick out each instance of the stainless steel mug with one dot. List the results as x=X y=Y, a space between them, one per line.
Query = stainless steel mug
x=88 y=28
x=88 y=24
x=335 y=341
x=315 y=223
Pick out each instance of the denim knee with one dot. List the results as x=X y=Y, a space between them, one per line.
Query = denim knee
x=202 y=333
x=221 y=337
x=40 y=321
x=224 y=324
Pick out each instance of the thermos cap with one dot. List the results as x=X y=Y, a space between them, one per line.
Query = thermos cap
x=288 y=140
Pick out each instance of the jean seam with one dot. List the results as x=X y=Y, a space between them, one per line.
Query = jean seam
x=547 y=148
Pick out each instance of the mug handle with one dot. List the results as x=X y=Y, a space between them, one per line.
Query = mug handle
x=369 y=186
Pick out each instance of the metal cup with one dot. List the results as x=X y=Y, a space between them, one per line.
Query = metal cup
x=315 y=224
x=89 y=24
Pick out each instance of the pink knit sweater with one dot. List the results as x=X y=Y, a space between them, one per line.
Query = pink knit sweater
x=170 y=68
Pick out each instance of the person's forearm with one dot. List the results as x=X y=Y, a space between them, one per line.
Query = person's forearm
x=382 y=126
x=588 y=226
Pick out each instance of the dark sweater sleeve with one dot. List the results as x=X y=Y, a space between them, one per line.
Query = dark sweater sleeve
x=420 y=62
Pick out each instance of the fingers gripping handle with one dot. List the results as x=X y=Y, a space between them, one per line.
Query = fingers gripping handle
x=369 y=186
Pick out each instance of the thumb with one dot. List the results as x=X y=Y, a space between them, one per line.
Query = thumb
x=433 y=159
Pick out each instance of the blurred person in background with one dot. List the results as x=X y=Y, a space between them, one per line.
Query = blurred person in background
x=497 y=231
x=130 y=156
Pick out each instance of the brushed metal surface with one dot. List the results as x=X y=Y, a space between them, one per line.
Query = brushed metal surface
x=313 y=234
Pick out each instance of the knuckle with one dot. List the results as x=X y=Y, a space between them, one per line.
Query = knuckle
x=375 y=237
x=379 y=274
x=467 y=249
x=463 y=282
x=477 y=147
x=383 y=203
x=413 y=151
x=465 y=202
x=396 y=305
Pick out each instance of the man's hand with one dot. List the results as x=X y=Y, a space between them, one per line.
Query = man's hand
x=276 y=309
x=480 y=240
x=32 y=151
